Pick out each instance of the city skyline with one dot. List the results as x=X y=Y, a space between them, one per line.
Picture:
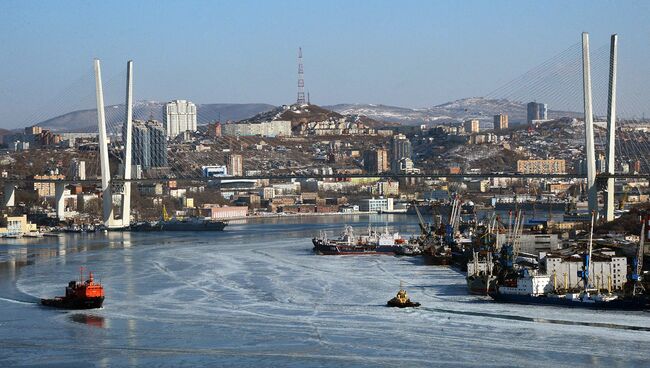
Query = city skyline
x=427 y=60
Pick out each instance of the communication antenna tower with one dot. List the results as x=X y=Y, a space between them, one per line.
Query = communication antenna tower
x=301 y=80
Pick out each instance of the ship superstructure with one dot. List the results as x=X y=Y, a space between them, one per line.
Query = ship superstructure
x=373 y=242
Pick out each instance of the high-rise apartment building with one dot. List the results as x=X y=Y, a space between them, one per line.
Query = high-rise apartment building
x=536 y=111
x=179 y=116
x=214 y=130
x=140 y=145
x=401 y=149
x=78 y=169
x=149 y=144
x=158 y=141
x=472 y=126
x=375 y=161
x=236 y=165
x=500 y=122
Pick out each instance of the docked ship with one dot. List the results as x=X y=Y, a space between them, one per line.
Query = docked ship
x=79 y=294
x=167 y=223
x=480 y=278
x=373 y=242
x=437 y=253
x=481 y=267
x=526 y=286
x=190 y=224
x=437 y=240
x=436 y=208
x=537 y=289
x=528 y=203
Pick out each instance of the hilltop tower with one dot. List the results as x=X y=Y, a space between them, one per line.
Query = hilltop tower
x=301 y=80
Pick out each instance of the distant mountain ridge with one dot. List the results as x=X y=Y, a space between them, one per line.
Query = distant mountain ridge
x=85 y=121
x=455 y=111
x=374 y=115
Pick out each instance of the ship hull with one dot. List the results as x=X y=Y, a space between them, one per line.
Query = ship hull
x=180 y=226
x=324 y=248
x=74 y=303
x=617 y=304
x=478 y=285
x=436 y=259
x=531 y=206
x=459 y=259
x=430 y=210
x=397 y=304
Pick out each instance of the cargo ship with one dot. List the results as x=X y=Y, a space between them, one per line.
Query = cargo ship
x=437 y=254
x=371 y=243
x=480 y=278
x=528 y=203
x=191 y=224
x=525 y=286
x=80 y=294
x=482 y=270
x=435 y=208
x=535 y=289
x=167 y=223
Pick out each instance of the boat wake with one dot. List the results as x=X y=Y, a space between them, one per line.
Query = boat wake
x=18 y=301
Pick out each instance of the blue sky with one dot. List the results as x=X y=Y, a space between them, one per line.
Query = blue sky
x=404 y=53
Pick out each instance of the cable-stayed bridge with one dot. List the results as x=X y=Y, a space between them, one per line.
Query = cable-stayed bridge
x=565 y=81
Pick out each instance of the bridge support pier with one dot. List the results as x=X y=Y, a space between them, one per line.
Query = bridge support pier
x=10 y=195
x=59 y=188
x=592 y=190
x=611 y=129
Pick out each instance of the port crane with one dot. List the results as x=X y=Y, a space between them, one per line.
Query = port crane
x=423 y=227
x=637 y=263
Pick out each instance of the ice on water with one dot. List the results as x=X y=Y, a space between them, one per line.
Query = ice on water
x=256 y=295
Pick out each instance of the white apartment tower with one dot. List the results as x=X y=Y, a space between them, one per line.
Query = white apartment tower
x=179 y=116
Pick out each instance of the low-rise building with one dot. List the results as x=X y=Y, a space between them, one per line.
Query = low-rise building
x=387 y=188
x=550 y=166
x=16 y=226
x=47 y=189
x=276 y=128
x=217 y=212
x=376 y=204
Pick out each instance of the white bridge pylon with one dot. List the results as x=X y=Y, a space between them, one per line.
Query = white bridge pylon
x=124 y=190
x=592 y=189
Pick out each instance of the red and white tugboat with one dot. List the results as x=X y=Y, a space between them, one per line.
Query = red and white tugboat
x=80 y=294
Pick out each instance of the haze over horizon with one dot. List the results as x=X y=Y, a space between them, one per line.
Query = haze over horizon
x=411 y=54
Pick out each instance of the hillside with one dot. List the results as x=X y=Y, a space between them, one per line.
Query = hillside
x=313 y=113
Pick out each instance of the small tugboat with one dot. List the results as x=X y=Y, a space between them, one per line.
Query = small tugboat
x=401 y=300
x=79 y=295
